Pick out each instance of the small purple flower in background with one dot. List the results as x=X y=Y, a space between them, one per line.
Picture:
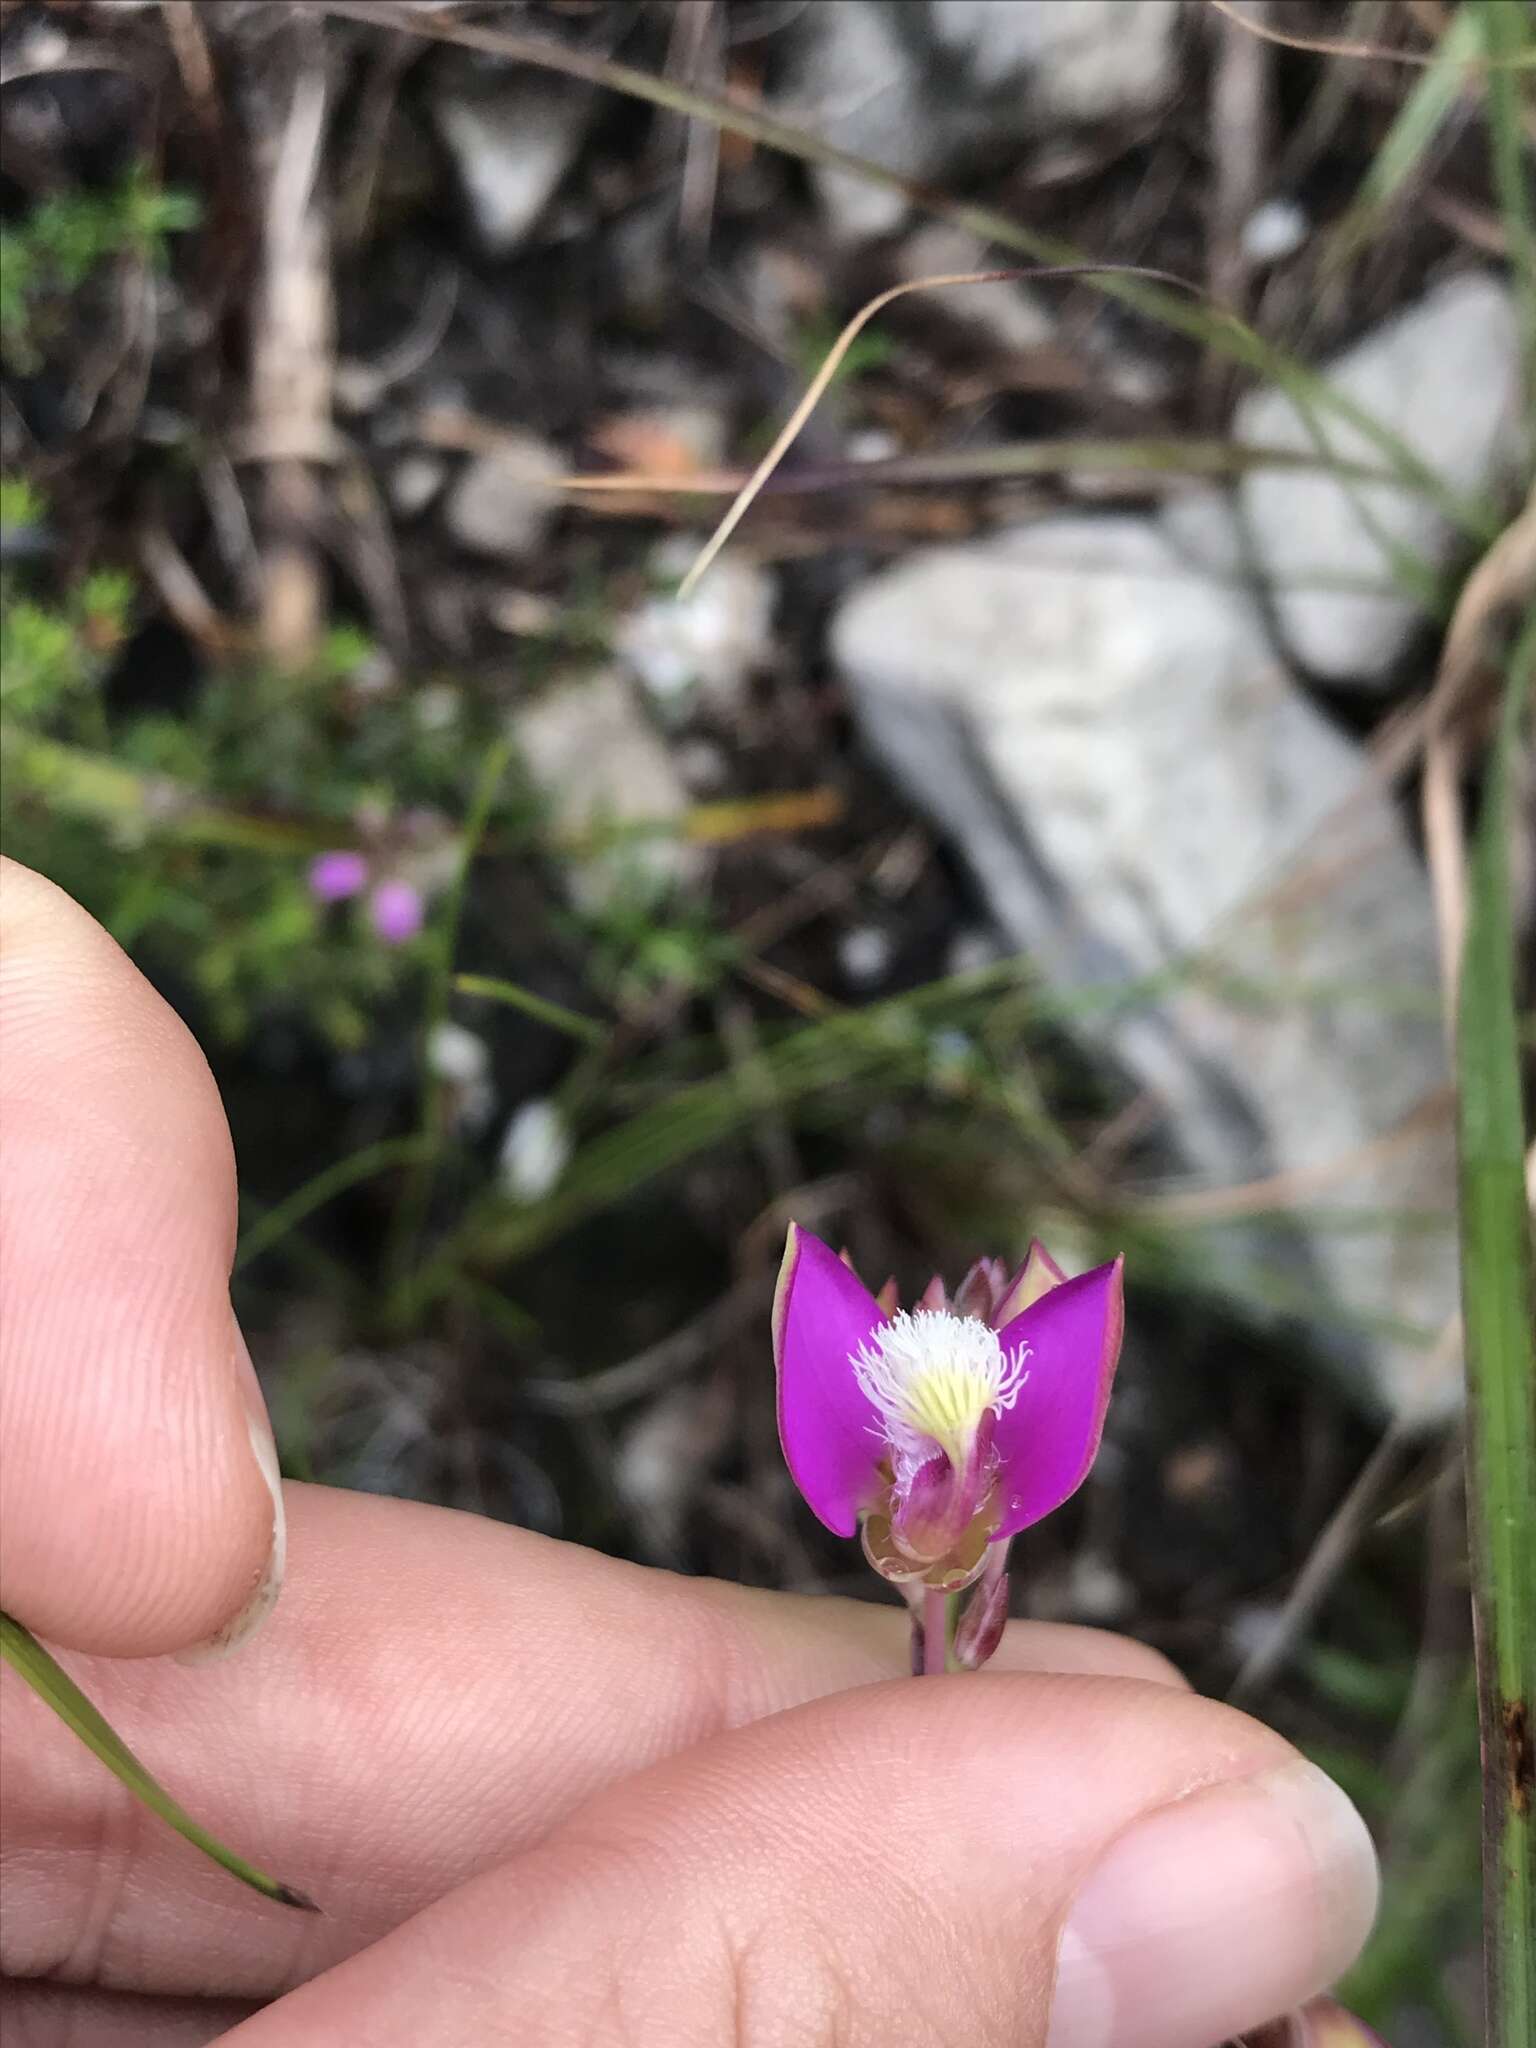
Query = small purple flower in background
x=333 y=877
x=941 y=1431
x=397 y=911
x=395 y=908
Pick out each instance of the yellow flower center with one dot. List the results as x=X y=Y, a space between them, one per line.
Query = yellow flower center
x=934 y=1378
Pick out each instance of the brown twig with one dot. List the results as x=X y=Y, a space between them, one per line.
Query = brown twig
x=1504 y=579
x=1240 y=110
x=1284 y=1190
x=292 y=348
x=1342 y=1531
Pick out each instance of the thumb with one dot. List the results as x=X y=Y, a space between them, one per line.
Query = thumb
x=140 y=1511
x=1019 y=1860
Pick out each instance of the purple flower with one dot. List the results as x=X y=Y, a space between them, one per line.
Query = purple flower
x=397 y=911
x=333 y=877
x=947 y=1428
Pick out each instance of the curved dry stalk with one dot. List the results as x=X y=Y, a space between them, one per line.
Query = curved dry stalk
x=1328 y=46
x=839 y=349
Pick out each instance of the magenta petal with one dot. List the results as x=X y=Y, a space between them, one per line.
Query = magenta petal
x=830 y=1430
x=1037 y=1276
x=1047 y=1440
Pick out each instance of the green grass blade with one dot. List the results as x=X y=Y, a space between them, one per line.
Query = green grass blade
x=416 y=1195
x=1510 y=36
x=53 y=1685
x=555 y=1015
x=323 y=1187
x=1411 y=136
x=1501 y=1394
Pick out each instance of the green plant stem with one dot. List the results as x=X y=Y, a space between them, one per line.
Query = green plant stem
x=939 y=1613
x=323 y=1187
x=1501 y=1394
x=555 y=1015
x=417 y=1195
x=1507 y=35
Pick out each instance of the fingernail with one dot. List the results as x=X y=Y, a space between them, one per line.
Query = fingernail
x=242 y=1626
x=1215 y=1914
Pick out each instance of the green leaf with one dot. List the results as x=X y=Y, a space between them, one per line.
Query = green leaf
x=1511 y=41
x=53 y=1685
x=1501 y=1393
x=1412 y=135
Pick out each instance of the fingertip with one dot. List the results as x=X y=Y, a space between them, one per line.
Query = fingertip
x=135 y=1518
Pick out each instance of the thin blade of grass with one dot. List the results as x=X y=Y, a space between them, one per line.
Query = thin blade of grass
x=416 y=1194
x=1510 y=37
x=323 y=1187
x=1411 y=136
x=1501 y=1394
x=53 y=1685
x=540 y=1008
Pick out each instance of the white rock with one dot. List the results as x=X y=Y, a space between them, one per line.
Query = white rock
x=864 y=954
x=1135 y=780
x=535 y=1151
x=438 y=707
x=1274 y=231
x=1088 y=61
x=711 y=641
x=511 y=142
x=415 y=481
x=463 y=1063
x=1445 y=377
x=504 y=500
x=457 y=1055
x=857 y=86
x=921 y=89
x=523 y=612
x=599 y=763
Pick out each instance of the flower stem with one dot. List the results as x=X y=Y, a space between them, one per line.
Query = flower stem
x=936 y=1607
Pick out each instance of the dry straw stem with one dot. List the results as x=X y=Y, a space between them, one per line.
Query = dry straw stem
x=840 y=348
x=1502 y=584
x=1328 y=46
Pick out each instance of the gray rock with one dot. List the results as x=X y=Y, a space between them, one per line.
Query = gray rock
x=1136 y=783
x=415 y=481
x=589 y=747
x=504 y=500
x=707 y=645
x=512 y=137
x=923 y=86
x=859 y=84
x=1445 y=376
x=1090 y=61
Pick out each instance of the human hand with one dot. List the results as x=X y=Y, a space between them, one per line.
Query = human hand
x=544 y=1798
